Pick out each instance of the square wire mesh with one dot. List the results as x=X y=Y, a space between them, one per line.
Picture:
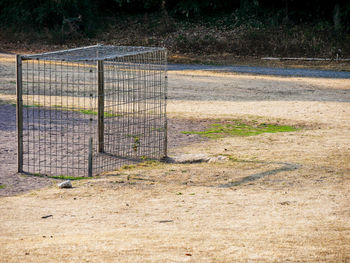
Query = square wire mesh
x=100 y=107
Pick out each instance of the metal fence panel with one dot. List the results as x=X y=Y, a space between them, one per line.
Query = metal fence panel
x=90 y=110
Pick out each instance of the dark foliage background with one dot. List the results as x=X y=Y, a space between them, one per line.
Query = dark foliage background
x=243 y=27
x=51 y=14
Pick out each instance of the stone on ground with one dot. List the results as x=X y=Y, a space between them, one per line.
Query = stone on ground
x=65 y=184
x=196 y=158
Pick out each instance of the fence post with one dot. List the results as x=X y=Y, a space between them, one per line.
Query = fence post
x=19 y=113
x=90 y=158
x=100 y=105
x=165 y=120
x=165 y=104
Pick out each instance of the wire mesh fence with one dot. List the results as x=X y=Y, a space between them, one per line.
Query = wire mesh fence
x=88 y=110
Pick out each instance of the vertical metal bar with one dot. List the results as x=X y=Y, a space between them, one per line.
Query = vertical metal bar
x=100 y=105
x=19 y=114
x=165 y=154
x=90 y=158
x=165 y=90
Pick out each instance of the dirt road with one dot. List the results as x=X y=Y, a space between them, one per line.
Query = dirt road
x=286 y=72
x=209 y=212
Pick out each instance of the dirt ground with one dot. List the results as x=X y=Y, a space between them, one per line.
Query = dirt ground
x=294 y=207
x=14 y=183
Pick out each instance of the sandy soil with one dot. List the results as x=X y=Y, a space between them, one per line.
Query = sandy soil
x=294 y=209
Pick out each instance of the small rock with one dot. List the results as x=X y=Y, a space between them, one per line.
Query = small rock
x=65 y=184
x=218 y=159
x=189 y=158
x=195 y=158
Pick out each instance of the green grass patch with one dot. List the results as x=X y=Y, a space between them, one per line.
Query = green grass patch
x=62 y=177
x=240 y=128
x=65 y=177
x=91 y=112
x=83 y=111
x=107 y=114
x=30 y=106
x=88 y=112
x=2 y=186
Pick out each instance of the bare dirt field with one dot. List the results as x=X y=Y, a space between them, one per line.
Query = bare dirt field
x=280 y=197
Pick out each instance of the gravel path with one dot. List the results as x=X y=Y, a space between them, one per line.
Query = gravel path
x=8 y=74
x=288 y=72
x=199 y=86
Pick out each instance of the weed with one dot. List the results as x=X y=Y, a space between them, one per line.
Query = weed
x=239 y=128
x=2 y=186
x=136 y=143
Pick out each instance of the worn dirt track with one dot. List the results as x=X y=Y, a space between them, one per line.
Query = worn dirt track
x=209 y=212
